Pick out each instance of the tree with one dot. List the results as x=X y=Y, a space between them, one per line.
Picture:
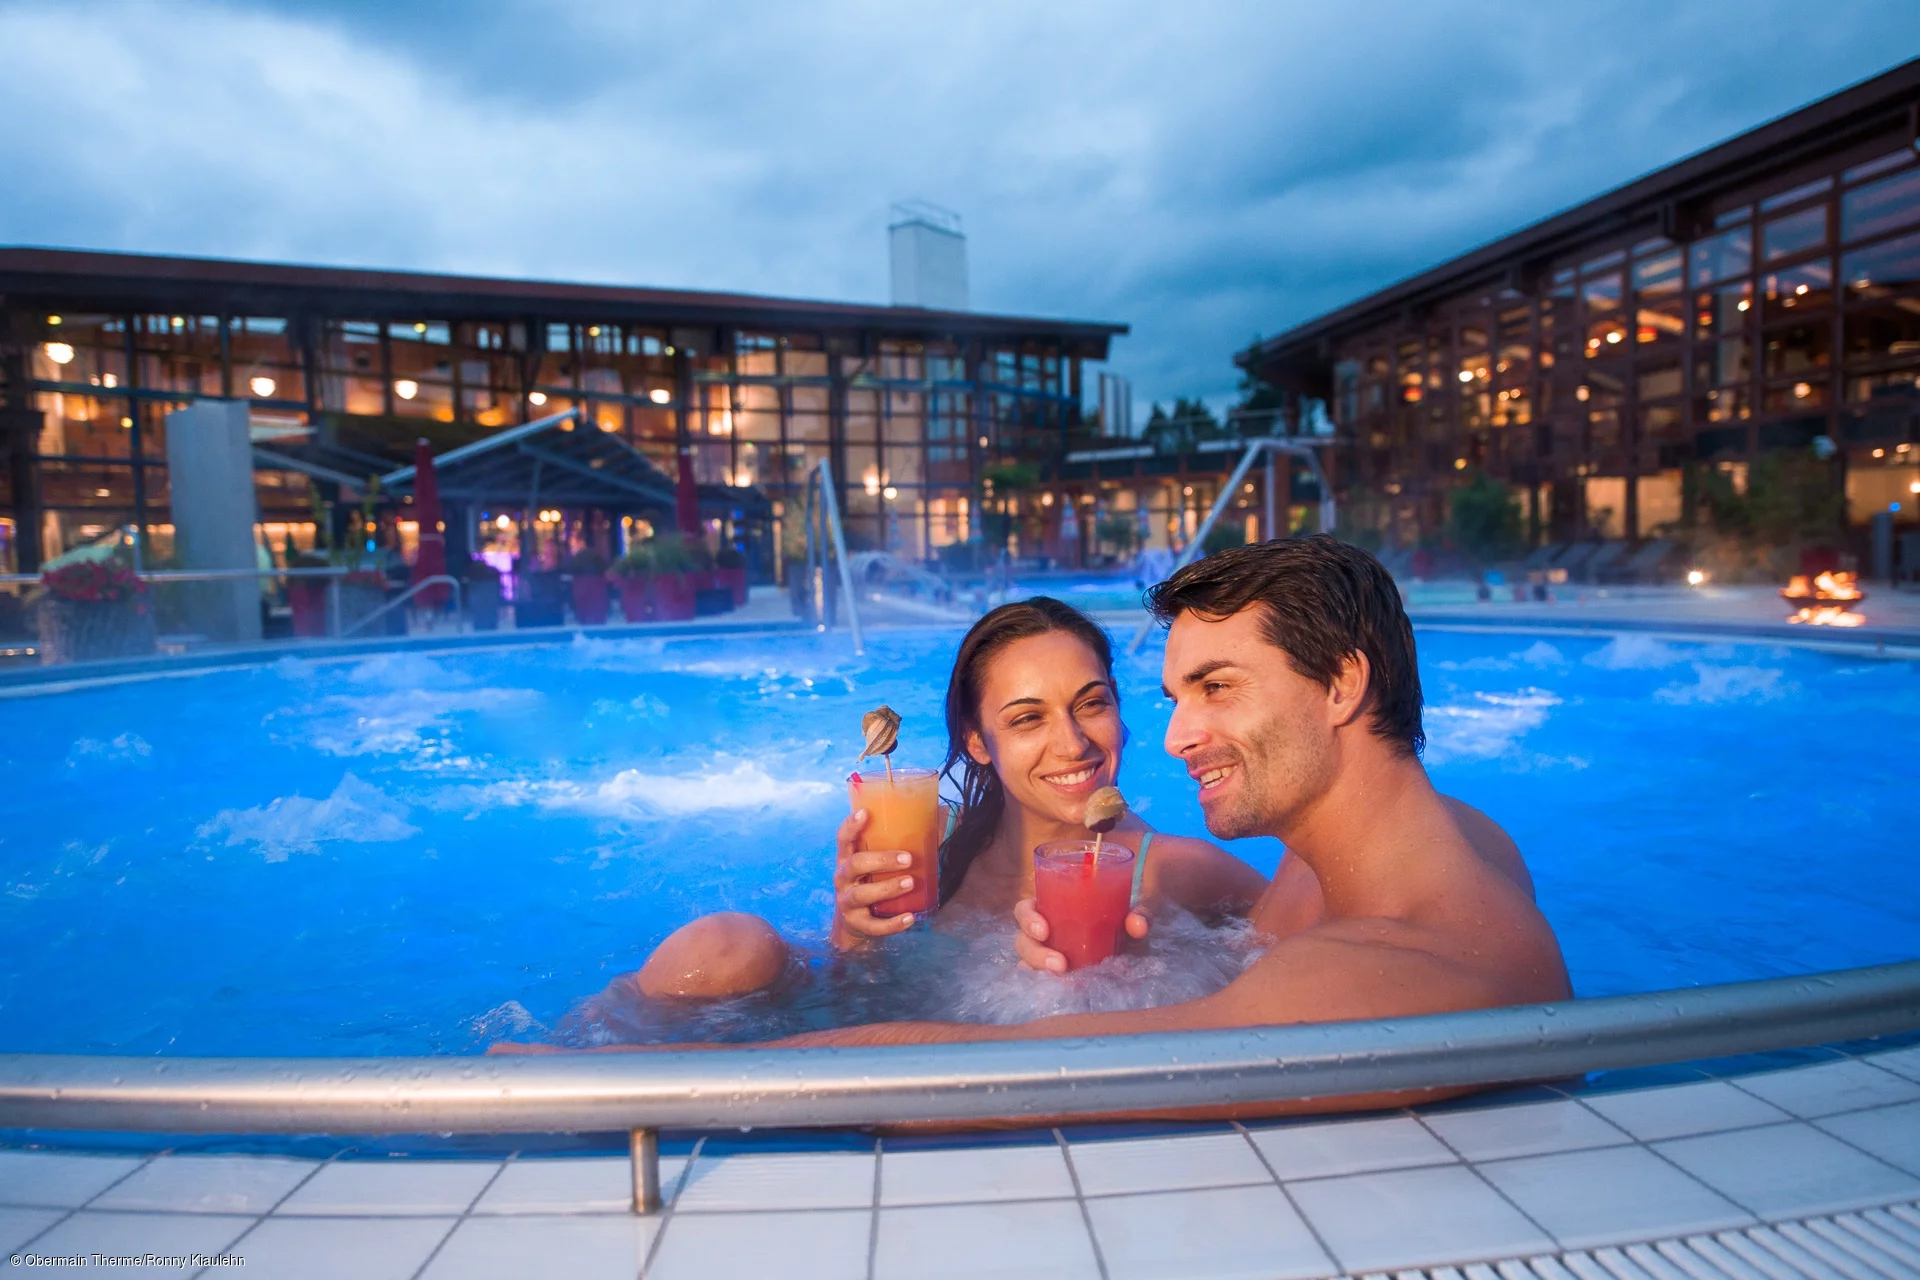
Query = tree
x=1119 y=530
x=1261 y=404
x=1188 y=424
x=1484 y=517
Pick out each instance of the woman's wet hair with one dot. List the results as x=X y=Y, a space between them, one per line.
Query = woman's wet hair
x=982 y=798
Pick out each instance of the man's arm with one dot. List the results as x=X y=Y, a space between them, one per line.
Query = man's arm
x=1337 y=973
x=1354 y=980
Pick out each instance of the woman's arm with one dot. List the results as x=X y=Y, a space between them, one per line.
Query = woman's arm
x=1200 y=876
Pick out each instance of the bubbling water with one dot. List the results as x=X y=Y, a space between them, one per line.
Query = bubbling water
x=964 y=969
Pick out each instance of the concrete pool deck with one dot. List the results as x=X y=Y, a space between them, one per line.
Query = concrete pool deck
x=1812 y=1170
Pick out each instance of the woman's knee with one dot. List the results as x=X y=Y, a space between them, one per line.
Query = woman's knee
x=729 y=953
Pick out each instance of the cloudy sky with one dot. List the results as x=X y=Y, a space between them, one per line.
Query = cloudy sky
x=1202 y=171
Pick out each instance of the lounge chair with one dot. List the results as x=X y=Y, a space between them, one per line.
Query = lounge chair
x=1574 y=560
x=1602 y=561
x=1542 y=556
x=1648 y=564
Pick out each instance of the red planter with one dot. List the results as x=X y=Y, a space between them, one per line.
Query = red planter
x=634 y=602
x=672 y=595
x=308 y=597
x=590 y=599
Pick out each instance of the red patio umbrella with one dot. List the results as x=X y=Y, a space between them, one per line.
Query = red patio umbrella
x=686 y=500
x=431 y=559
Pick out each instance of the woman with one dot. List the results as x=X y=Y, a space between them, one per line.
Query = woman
x=1033 y=729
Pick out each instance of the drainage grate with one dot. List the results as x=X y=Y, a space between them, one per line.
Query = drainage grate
x=1873 y=1244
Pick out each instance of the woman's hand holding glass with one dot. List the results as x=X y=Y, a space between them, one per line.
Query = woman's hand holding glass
x=861 y=878
x=1031 y=933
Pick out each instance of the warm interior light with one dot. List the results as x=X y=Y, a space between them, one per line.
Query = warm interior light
x=1914 y=487
x=103 y=493
x=126 y=422
x=109 y=380
x=406 y=388
x=660 y=395
x=1801 y=391
x=1879 y=453
x=420 y=328
x=1466 y=375
x=179 y=322
x=1695 y=577
x=1743 y=305
x=1800 y=289
x=1459 y=464
x=1581 y=393
x=53 y=319
x=889 y=493
x=263 y=387
x=536 y=398
x=502 y=523
x=59 y=352
x=1046 y=499
x=1615 y=335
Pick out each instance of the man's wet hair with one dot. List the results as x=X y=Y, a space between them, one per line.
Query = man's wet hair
x=1321 y=600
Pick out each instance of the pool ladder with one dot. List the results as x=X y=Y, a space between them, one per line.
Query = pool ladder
x=818 y=598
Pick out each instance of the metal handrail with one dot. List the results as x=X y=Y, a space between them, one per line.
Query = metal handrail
x=438 y=579
x=1033 y=1080
x=1269 y=446
x=827 y=513
x=204 y=575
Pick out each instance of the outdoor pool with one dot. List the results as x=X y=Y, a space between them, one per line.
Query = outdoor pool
x=422 y=852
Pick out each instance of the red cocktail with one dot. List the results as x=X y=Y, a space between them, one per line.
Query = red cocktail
x=903 y=812
x=1083 y=895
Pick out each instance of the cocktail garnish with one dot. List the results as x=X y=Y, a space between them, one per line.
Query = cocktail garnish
x=882 y=729
x=1105 y=808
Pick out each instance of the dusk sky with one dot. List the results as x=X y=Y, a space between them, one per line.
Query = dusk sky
x=1203 y=172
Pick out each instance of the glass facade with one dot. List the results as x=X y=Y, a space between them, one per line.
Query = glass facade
x=912 y=420
x=1710 y=327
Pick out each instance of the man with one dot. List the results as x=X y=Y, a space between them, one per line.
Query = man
x=1290 y=665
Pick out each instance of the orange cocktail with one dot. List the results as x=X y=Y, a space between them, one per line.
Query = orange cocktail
x=903 y=812
x=1083 y=892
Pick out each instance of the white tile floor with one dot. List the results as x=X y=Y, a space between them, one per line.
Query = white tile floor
x=1726 y=1162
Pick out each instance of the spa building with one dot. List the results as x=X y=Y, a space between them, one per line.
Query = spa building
x=1760 y=296
x=346 y=368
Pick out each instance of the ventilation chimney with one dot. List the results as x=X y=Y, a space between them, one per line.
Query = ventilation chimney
x=929 y=253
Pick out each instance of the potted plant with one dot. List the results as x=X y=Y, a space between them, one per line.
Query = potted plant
x=588 y=570
x=630 y=574
x=481 y=591
x=731 y=568
x=307 y=597
x=671 y=587
x=94 y=609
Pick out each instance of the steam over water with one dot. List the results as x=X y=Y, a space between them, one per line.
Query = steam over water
x=963 y=970
x=424 y=853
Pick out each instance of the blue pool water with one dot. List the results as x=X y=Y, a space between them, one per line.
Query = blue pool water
x=419 y=853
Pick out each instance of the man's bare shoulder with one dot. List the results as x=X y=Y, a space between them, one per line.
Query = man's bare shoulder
x=1491 y=841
